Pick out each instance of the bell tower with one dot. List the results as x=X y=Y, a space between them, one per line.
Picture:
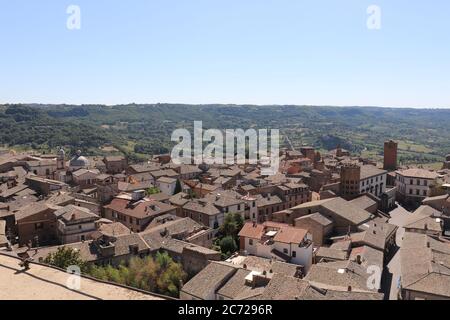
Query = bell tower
x=60 y=161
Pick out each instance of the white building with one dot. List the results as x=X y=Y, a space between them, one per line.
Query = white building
x=167 y=185
x=372 y=180
x=278 y=241
x=413 y=184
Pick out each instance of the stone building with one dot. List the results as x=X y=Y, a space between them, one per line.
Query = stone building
x=413 y=185
x=344 y=214
x=115 y=164
x=75 y=224
x=36 y=224
x=136 y=212
x=360 y=179
x=425 y=263
x=318 y=225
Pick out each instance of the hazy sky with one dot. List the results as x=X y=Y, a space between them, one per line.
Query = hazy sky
x=226 y=51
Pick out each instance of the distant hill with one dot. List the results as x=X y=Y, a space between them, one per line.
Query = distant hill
x=137 y=130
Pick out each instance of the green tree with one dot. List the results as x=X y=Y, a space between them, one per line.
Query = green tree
x=159 y=274
x=231 y=226
x=65 y=257
x=228 y=246
x=153 y=190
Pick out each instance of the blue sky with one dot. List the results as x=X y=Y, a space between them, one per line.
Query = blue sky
x=226 y=51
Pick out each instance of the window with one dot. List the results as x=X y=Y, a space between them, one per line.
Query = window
x=418 y=182
x=254 y=204
x=239 y=207
x=250 y=242
x=417 y=192
x=294 y=254
x=425 y=193
x=425 y=182
x=285 y=251
x=38 y=226
x=410 y=191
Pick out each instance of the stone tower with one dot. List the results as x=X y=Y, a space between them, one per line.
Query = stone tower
x=308 y=152
x=390 y=155
x=350 y=179
x=61 y=160
x=339 y=151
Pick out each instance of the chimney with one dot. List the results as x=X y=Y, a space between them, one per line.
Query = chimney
x=358 y=259
x=349 y=289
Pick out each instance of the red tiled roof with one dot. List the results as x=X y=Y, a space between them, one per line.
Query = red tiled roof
x=285 y=233
x=290 y=235
x=250 y=230
x=139 y=209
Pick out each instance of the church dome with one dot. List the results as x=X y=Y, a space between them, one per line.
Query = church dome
x=79 y=161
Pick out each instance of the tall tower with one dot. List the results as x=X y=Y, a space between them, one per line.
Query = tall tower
x=350 y=179
x=339 y=151
x=60 y=161
x=390 y=155
x=308 y=152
